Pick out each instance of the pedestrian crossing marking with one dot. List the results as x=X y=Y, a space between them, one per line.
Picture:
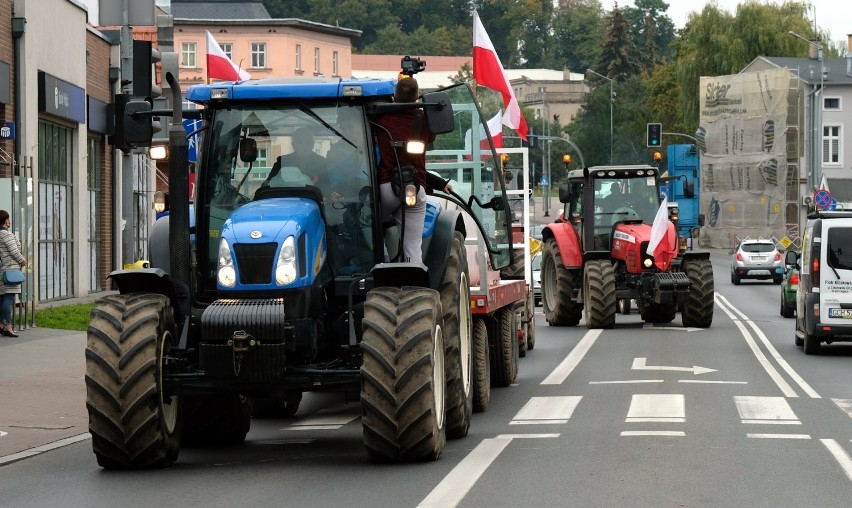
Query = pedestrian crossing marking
x=546 y=410
x=656 y=407
x=661 y=433
x=765 y=410
x=779 y=436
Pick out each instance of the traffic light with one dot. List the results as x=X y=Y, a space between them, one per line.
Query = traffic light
x=655 y=134
x=144 y=58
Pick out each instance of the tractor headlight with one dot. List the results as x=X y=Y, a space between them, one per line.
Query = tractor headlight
x=227 y=276
x=285 y=270
x=647 y=262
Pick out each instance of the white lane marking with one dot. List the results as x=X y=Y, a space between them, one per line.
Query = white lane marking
x=664 y=433
x=775 y=354
x=14 y=457
x=455 y=486
x=764 y=409
x=840 y=455
x=328 y=419
x=625 y=382
x=640 y=364
x=845 y=405
x=650 y=326
x=710 y=382
x=527 y=436
x=656 y=405
x=779 y=436
x=772 y=422
x=546 y=410
x=564 y=369
x=785 y=388
x=3 y=433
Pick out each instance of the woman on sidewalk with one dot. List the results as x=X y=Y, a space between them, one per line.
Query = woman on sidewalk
x=11 y=257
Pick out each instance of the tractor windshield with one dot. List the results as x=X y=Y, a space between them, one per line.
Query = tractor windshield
x=618 y=199
x=257 y=147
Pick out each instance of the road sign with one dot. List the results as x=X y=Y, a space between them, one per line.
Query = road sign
x=832 y=205
x=822 y=198
x=786 y=242
x=191 y=127
x=544 y=181
x=7 y=130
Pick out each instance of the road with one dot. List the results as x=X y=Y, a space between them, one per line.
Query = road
x=734 y=415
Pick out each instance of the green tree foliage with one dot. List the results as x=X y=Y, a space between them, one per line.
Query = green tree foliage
x=652 y=29
x=442 y=41
x=578 y=34
x=619 y=57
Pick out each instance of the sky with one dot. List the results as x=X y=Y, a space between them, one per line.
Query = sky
x=832 y=15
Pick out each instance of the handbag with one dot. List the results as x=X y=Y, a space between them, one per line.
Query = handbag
x=12 y=277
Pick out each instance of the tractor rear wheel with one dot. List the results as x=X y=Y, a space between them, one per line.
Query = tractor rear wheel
x=504 y=352
x=403 y=381
x=697 y=311
x=133 y=422
x=557 y=286
x=455 y=300
x=216 y=420
x=599 y=294
x=482 y=366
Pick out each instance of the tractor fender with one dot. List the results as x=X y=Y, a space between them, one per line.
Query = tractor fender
x=567 y=241
x=145 y=280
x=691 y=255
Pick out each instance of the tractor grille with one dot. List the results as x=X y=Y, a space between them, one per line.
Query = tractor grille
x=262 y=319
x=255 y=261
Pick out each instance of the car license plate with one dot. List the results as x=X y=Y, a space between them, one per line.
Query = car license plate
x=840 y=313
x=758 y=258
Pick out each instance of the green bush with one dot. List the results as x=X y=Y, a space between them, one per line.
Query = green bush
x=65 y=317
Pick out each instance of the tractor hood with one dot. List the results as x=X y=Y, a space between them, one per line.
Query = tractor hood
x=629 y=243
x=271 y=220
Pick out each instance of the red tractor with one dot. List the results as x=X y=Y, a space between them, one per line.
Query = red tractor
x=596 y=255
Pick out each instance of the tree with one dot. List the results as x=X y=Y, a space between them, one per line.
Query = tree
x=652 y=29
x=578 y=34
x=618 y=58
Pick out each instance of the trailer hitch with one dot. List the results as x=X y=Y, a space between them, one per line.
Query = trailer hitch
x=241 y=343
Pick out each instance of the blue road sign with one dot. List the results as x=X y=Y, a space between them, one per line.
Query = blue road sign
x=544 y=181
x=832 y=205
x=664 y=191
x=191 y=126
x=822 y=198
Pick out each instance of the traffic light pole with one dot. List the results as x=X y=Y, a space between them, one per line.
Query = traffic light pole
x=125 y=182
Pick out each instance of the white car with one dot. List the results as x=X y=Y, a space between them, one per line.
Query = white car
x=536 y=277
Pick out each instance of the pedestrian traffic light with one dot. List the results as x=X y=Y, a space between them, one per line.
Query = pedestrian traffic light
x=655 y=134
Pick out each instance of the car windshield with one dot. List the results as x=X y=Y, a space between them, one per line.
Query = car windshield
x=626 y=199
x=840 y=248
x=757 y=247
x=536 y=262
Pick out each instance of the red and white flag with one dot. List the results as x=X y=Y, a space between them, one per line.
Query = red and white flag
x=496 y=130
x=663 y=242
x=219 y=66
x=489 y=72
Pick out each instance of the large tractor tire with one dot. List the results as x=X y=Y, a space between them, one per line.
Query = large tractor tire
x=215 y=420
x=599 y=294
x=277 y=407
x=557 y=285
x=403 y=381
x=133 y=422
x=455 y=300
x=658 y=313
x=531 y=324
x=698 y=308
x=503 y=337
x=482 y=366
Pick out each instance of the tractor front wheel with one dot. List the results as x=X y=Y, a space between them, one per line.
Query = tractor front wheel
x=557 y=286
x=599 y=294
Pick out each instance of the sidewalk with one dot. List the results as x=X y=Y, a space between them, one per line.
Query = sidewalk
x=42 y=389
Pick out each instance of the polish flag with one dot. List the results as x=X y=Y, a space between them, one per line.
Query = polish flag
x=663 y=243
x=496 y=130
x=489 y=72
x=219 y=66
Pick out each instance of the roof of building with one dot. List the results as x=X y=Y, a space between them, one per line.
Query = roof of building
x=283 y=22
x=808 y=68
x=430 y=80
x=219 y=9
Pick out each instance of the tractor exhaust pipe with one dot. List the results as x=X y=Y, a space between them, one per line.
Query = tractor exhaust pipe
x=179 y=207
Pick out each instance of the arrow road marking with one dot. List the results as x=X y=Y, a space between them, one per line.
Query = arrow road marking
x=639 y=364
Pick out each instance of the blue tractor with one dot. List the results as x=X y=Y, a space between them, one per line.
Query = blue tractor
x=287 y=279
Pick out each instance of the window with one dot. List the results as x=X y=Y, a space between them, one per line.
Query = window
x=187 y=54
x=262 y=160
x=94 y=150
x=56 y=213
x=298 y=57
x=831 y=145
x=316 y=61
x=258 y=55
x=335 y=68
x=831 y=104
x=228 y=49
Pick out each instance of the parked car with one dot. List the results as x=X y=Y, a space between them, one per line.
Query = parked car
x=788 y=291
x=824 y=297
x=536 y=277
x=757 y=259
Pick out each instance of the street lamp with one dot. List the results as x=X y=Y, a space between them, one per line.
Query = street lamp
x=815 y=174
x=545 y=129
x=611 y=102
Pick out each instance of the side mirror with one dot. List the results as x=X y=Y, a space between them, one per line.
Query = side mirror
x=791 y=258
x=689 y=188
x=248 y=150
x=701 y=219
x=564 y=193
x=439 y=114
